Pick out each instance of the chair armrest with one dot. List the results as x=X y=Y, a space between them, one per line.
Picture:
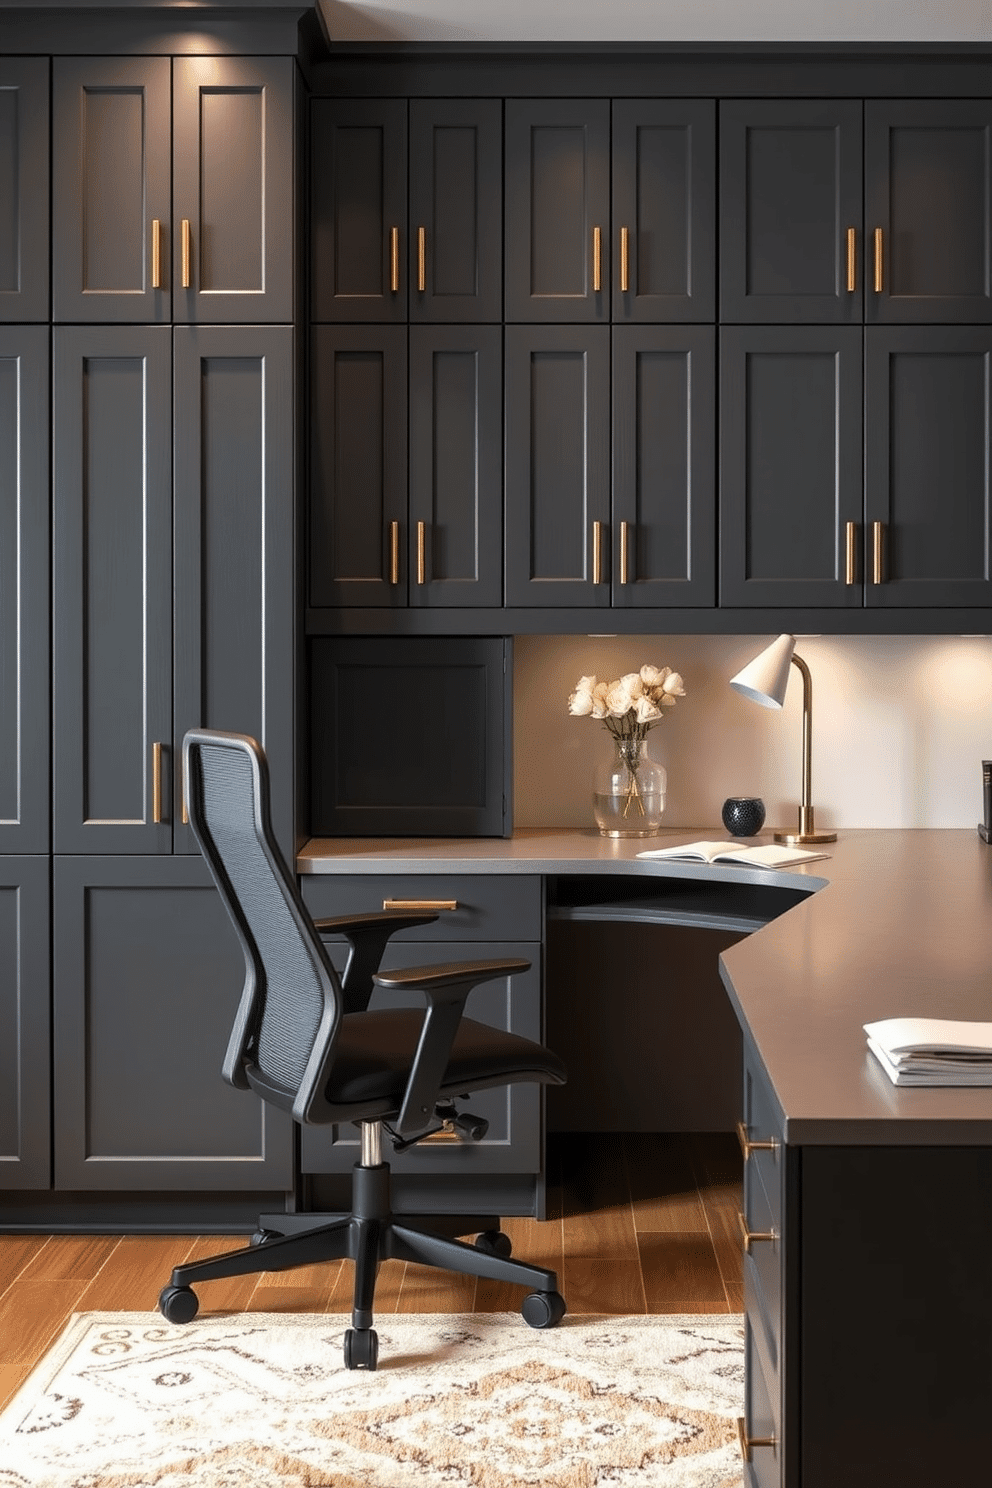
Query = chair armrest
x=368 y=936
x=446 y=989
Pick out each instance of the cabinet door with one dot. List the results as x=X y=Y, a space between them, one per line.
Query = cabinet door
x=233 y=183
x=112 y=622
x=358 y=466
x=233 y=534
x=111 y=183
x=25 y=997
x=558 y=209
x=557 y=465
x=358 y=209
x=664 y=233
x=790 y=478
x=455 y=260
x=664 y=490
x=927 y=462
x=24 y=188
x=790 y=192
x=148 y=973
x=24 y=588
x=456 y=526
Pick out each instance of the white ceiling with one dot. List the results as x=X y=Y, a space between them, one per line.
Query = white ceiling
x=658 y=20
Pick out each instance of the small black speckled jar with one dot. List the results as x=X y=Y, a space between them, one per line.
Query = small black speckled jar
x=743 y=816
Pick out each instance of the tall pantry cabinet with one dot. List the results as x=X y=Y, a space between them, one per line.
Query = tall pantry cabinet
x=172 y=550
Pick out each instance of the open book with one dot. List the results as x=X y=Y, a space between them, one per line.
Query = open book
x=770 y=855
x=932 y=1051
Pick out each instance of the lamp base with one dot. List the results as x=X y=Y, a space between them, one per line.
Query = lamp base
x=804 y=839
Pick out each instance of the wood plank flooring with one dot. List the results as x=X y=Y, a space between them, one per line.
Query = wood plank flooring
x=642 y=1223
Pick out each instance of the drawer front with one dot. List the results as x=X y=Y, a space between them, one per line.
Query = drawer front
x=513 y=1141
x=487 y=906
x=763 y=1277
x=762 y=1125
x=762 y=1420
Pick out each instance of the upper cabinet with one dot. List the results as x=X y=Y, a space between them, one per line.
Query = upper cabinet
x=173 y=189
x=23 y=188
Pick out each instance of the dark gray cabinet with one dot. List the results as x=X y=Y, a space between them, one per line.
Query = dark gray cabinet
x=25 y=999
x=24 y=194
x=148 y=973
x=24 y=590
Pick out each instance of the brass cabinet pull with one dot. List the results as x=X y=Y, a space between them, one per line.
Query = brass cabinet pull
x=751 y=1237
x=421 y=552
x=597 y=260
x=747 y=1442
x=394 y=552
x=851 y=554
x=421 y=259
x=851 y=243
x=625 y=552
x=187 y=253
x=597 y=552
x=624 y=261
x=877 y=542
x=394 y=260
x=157 y=784
x=878 y=260
x=156 y=253
x=747 y=1146
x=417 y=904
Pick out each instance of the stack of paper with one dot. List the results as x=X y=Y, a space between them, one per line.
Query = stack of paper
x=932 y=1051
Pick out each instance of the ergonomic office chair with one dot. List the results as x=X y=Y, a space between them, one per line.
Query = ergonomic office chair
x=308 y=1042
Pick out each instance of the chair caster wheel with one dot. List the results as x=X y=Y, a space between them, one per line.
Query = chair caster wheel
x=178 y=1304
x=543 y=1309
x=494 y=1243
x=260 y=1236
x=361 y=1348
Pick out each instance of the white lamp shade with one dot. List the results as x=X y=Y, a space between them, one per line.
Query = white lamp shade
x=765 y=679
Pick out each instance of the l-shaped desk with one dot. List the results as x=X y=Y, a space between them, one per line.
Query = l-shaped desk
x=867 y=1222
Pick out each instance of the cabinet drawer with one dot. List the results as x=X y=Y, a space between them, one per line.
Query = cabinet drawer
x=762 y=1420
x=762 y=1125
x=763 y=1273
x=488 y=906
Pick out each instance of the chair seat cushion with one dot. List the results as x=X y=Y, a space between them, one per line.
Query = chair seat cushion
x=374 y=1051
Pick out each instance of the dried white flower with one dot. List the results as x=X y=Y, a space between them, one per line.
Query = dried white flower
x=673 y=685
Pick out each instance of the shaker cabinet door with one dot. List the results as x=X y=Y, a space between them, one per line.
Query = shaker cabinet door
x=25 y=999
x=24 y=188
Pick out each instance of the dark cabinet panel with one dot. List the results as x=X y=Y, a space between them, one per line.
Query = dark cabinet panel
x=557 y=475
x=24 y=589
x=233 y=182
x=358 y=209
x=928 y=191
x=112 y=629
x=148 y=973
x=455 y=526
x=927 y=461
x=111 y=180
x=24 y=188
x=358 y=465
x=234 y=562
x=664 y=493
x=557 y=210
x=663 y=247
x=790 y=191
x=25 y=998
x=455 y=240
x=790 y=464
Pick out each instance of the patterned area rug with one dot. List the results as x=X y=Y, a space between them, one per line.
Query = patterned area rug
x=258 y=1400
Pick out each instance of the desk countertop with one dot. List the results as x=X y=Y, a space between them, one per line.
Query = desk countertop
x=899 y=925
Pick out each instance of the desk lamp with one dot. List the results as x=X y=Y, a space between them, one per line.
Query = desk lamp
x=764 y=681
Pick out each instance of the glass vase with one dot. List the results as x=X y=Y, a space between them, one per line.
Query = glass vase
x=628 y=793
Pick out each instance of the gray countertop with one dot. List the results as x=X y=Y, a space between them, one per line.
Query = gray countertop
x=899 y=925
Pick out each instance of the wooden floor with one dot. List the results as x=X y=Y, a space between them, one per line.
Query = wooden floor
x=642 y=1224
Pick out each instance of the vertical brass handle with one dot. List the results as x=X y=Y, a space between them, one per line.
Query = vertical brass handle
x=747 y=1442
x=185 y=809
x=624 y=552
x=878 y=260
x=394 y=552
x=187 y=252
x=394 y=260
x=851 y=246
x=877 y=544
x=597 y=552
x=624 y=260
x=421 y=552
x=156 y=253
x=597 y=260
x=771 y=1144
x=851 y=554
x=421 y=259
x=157 y=784
x=748 y=1237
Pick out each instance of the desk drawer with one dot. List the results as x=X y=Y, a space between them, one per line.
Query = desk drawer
x=761 y=1127
x=762 y=1420
x=763 y=1277
x=488 y=906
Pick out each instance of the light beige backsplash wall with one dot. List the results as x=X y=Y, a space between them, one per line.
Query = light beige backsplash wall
x=900 y=727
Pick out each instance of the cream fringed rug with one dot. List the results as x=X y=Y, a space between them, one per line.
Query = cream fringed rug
x=477 y=1400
